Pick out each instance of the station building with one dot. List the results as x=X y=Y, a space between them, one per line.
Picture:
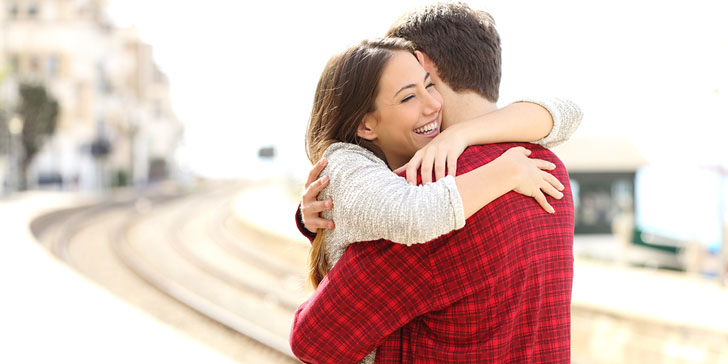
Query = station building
x=116 y=125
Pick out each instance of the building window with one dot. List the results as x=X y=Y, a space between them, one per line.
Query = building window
x=102 y=82
x=599 y=198
x=15 y=64
x=32 y=10
x=34 y=64
x=13 y=11
x=158 y=111
x=52 y=66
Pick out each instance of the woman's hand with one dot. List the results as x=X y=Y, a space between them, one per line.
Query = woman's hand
x=440 y=153
x=311 y=207
x=530 y=178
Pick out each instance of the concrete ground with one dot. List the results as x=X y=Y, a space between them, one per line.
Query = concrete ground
x=620 y=314
x=51 y=314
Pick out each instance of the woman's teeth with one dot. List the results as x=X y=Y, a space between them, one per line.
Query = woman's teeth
x=426 y=128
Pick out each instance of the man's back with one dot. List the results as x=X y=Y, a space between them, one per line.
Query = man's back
x=515 y=264
x=496 y=291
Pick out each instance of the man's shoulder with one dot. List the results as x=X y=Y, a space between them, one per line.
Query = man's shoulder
x=477 y=155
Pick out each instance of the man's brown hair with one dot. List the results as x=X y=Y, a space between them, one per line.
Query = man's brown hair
x=462 y=42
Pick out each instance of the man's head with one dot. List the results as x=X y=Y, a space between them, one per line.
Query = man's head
x=462 y=43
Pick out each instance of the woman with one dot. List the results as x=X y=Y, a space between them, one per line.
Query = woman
x=374 y=108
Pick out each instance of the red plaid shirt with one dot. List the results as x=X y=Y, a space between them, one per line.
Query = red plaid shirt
x=496 y=291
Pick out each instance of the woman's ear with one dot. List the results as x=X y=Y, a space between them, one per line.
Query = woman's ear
x=366 y=128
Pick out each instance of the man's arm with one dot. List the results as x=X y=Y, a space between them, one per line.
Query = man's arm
x=375 y=288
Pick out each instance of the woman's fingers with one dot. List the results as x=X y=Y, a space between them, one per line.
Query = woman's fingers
x=523 y=150
x=452 y=164
x=310 y=215
x=316 y=171
x=311 y=207
x=312 y=191
x=550 y=190
x=314 y=208
x=412 y=167
x=440 y=162
x=318 y=223
x=553 y=181
x=541 y=199
x=542 y=164
x=426 y=170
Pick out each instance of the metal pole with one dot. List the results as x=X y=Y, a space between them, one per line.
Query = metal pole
x=723 y=266
x=15 y=126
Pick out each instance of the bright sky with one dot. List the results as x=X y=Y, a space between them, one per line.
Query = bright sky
x=243 y=74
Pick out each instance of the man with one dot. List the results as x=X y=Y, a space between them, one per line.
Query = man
x=496 y=291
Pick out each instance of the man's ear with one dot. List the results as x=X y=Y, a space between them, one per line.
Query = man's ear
x=426 y=62
x=366 y=130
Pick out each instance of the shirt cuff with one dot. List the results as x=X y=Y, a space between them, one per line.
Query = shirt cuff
x=301 y=228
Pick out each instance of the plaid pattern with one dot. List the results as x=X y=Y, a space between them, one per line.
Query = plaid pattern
x=496 y=291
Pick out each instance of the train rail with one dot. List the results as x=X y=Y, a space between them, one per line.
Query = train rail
x=190 y=248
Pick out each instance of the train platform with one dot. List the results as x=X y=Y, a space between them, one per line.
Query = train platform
x=51 y=314
x=626 y=311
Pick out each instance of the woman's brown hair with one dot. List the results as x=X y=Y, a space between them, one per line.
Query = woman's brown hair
x=344 y=95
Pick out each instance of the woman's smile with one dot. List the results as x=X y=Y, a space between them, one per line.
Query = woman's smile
x=408 y=109
x=429 y=130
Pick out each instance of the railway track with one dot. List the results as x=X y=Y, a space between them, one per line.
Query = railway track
x=191 y=249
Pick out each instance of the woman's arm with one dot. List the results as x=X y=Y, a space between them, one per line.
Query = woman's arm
x=548 y=122
x=545 y=121
x=517 y=122
x=371 y=202
x=513 y=170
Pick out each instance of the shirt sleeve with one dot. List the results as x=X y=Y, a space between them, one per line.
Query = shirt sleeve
x=371 y=202
x=566 y=115
x=375 y=288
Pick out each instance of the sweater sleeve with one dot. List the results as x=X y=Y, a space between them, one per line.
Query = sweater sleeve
x=371 y=202
x=566 y=115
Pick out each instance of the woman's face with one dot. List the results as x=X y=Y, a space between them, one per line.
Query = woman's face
x=407 y=110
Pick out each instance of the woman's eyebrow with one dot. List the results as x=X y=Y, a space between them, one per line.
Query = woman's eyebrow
x=427 y=75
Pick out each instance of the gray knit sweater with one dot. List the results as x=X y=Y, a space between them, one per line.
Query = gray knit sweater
x=371 y=202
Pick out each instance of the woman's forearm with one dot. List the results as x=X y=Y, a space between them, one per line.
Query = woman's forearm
x=517 y=122
x=371 y=202
x=484 y=184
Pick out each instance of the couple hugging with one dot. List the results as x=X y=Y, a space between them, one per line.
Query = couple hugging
x=446 y=248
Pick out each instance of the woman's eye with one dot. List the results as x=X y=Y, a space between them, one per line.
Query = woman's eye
x=430 y=85
x=410 y=97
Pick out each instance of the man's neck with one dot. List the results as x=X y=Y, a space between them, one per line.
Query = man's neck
x=463 y=106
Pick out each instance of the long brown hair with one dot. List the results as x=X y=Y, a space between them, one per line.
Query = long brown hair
x=345 y=94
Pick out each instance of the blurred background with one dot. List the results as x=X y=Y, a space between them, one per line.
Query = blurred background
x=133 y=111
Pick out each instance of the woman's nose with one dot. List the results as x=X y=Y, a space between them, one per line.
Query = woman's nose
x=432 y=105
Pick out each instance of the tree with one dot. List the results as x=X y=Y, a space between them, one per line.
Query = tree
x=4 y=145
x=39 y=111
